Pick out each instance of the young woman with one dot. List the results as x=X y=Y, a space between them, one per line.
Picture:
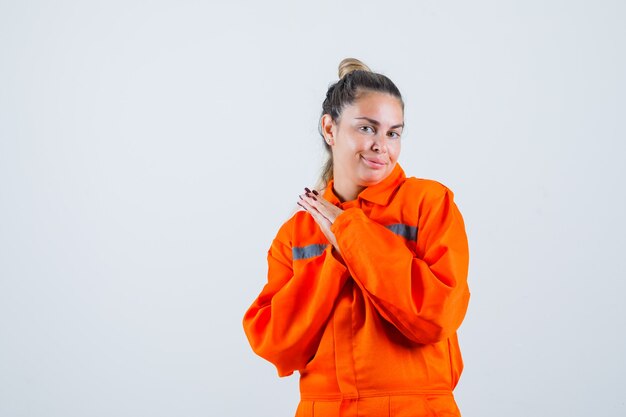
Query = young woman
x=367 y=283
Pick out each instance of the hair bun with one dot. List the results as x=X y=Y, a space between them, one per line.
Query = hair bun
x=348 y=65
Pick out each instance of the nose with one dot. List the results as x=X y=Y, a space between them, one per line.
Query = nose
x=380 y=143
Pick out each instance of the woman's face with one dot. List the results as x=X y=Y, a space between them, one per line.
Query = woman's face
x=366 y=140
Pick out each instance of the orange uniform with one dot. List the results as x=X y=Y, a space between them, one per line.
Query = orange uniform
x=372 y=332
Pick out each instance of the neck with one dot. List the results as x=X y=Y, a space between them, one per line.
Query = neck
x=346 y=191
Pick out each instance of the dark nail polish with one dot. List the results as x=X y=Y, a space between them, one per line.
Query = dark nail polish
x=315 y=192
x=313 y=197
x=300 y=197
x=307 y=190
x=301 y=205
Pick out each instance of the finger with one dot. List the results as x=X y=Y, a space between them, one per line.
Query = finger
x=305 y=203
x=323 y=223
x=310 y=199
x=317 y=206
x=311 y=191
x=314 y=198
x=311 y=206
x=309 y=194
x=328 y=210
x=319 y=218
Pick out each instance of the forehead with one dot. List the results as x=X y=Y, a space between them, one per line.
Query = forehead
x=382 y=107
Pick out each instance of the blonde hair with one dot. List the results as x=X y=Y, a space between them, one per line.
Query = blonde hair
x=348 y=65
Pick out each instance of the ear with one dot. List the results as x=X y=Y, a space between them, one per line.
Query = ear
x=329 y=129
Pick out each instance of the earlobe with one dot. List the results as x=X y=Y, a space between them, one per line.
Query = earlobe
x=328 y=130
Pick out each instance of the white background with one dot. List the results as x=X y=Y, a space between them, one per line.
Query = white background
x=150 y=150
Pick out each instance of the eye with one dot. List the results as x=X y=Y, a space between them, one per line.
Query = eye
x=394 y=135
x=366 y=129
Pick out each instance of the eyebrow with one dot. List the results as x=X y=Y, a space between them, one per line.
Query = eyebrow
x=376 y=123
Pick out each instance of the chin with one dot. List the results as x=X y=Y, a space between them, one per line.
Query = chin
x=374 y=177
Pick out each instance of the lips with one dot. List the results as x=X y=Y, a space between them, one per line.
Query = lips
x=373 y=162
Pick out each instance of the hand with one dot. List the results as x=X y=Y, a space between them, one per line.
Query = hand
x=324 y=213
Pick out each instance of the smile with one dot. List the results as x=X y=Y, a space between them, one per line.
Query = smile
x=374 y=163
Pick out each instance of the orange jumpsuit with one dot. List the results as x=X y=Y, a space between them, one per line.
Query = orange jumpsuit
x=372 y=332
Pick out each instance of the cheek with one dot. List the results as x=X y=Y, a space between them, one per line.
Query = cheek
x=394 y=150
x=352 y=147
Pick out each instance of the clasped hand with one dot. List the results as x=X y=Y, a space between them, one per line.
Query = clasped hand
x=324 y=213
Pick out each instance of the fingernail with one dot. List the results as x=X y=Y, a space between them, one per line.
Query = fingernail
x=300 y=197
x=313 y=197
x=315 y=192
x=301 y=205
x=307 y=190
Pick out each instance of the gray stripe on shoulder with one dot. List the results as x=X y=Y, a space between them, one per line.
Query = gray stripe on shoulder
x=306 y=252
x=404 y=230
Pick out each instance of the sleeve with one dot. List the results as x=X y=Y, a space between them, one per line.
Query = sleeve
x=285 y=323
x=423 y=294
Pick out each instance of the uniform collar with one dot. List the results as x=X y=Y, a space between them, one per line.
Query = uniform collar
x=378 y=193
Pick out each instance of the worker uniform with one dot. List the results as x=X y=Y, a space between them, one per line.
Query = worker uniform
x=372 y=331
